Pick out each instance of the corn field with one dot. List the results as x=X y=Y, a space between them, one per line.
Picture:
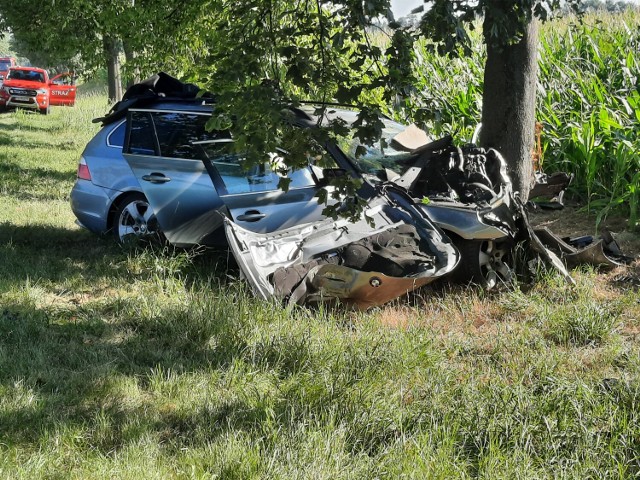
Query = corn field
x=588 y=105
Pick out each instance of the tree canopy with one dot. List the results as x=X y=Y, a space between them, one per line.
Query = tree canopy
x=260 y=55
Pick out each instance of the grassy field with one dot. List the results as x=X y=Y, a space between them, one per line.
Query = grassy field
x=159 y=364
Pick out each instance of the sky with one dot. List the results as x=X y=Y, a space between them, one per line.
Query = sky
x=402 y=7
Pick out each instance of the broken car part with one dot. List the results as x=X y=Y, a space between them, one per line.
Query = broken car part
x=393 y=249
x=589 y=251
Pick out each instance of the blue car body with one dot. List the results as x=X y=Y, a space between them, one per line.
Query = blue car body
x=111 y=177
x=254 y=201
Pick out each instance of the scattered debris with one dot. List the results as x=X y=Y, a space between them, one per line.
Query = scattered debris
x=548 y=191
x=602 y=252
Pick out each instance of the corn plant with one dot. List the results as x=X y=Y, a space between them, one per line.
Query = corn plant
x=588 y=103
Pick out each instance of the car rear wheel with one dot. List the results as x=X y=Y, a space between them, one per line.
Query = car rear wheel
x=487 y=263
x=134 y=221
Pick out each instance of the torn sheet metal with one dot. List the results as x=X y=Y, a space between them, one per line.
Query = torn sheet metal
x=538 y=246
x=596 y=252
x=552 y=187
x=393 y=249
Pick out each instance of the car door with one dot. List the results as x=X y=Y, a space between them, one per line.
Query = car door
x=253 y=197
x=177 y=186
x=190 y=176
x=62 y=90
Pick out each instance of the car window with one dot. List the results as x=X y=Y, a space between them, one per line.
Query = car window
x=142 y=137
x=379 y=156
x=371 y=158
x=4 y=66
x=184 y=135
x=116 y=137
x=29 y=75
x=178 y=130
x=238 y=179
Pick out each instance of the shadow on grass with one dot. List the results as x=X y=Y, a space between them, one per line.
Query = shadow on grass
x=21 y=142
x=72 y=355
x=627 y=280
x=11 y=170
x=83 y=373
x=71 y=368
x=20 y=127
x=117 y=373
x=55 y=254
x=119 y=383
x=34 y=183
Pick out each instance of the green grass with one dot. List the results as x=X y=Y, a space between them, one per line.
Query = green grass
x=119 y=363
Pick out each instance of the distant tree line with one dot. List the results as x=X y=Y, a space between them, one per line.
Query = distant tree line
x=608 y=5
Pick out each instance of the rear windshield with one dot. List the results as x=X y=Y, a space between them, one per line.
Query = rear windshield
x=26 y=75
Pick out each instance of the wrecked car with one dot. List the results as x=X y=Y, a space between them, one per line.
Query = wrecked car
x=433 y=209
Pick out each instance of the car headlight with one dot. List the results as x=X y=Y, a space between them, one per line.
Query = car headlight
x=42 y=91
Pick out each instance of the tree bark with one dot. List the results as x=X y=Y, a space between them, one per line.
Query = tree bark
x=114 y=79
x=508 y=109
x=133 y=72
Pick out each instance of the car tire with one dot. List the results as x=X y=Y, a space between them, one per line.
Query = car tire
x=488 y=263
x=133 y=221
x=45 y=111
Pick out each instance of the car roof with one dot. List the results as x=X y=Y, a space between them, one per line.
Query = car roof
x=30 y=69
x=162 y=92
x=159 y=89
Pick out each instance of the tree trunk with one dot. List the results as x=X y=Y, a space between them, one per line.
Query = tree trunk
x=133 y=72
x=114 y=81
x=508 y=108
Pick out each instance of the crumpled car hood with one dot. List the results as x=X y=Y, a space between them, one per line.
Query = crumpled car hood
x=324 y=261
